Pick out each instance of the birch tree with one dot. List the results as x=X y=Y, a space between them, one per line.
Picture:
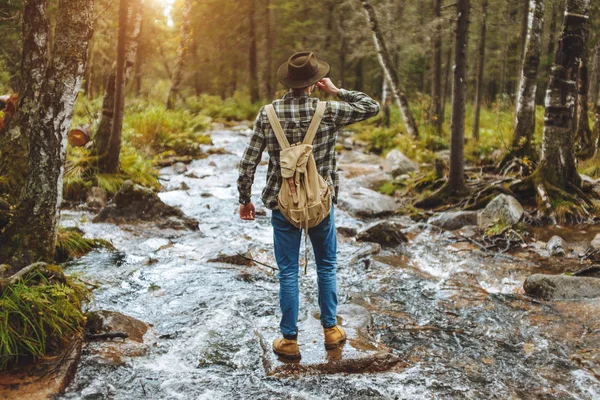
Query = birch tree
x=31 y=235
x=557 y=175
x=389 y=69
x=14 y=142
x=525 y=114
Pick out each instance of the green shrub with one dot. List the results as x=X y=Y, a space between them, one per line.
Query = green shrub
x=71 y=244
x=36 y=313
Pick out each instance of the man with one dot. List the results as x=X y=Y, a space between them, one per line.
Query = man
x=302 y=74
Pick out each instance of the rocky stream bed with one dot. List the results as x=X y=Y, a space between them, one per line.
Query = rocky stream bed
x=430 y=318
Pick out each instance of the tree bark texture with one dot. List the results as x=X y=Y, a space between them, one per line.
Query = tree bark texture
x=254 y=92
x=182 y=52
x=525 y=114
x=269 y=51
x=436 y=82
x=32 y=233
x=595 y=76
x=446 y=83
x=108 y=134
x=456 y=178
x=596 y=130
x=584 y=138
x=389 y=70
x=557 y=165
x=480 y=65
x=14 y=142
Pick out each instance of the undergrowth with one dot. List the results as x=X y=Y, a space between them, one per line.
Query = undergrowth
x=37 y=313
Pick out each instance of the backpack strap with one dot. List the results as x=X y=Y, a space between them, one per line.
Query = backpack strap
x=279 y=134
x=314 y=124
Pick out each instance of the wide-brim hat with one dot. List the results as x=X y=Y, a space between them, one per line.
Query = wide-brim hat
x=302 y=70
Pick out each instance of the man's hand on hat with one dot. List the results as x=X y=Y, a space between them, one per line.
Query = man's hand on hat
x=327 y=86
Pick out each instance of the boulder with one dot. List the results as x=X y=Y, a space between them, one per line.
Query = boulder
x=503 y=209
x=552 y=287
x=386 y=233
x=346 y=231
x=452 y=220
x=557 y=246
x=134 y=203
x=366 y=203
x=596 y=242
x=396 y=163
x=96 y=198
x=105 y=321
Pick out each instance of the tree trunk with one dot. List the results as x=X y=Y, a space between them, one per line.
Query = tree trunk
x=586 y=142
x=524 y=29
x=14 y=143
x=269 y=52
x=436 y=84
x=390 y=71
x=254 y=92
x=480 y=65
x=525 y=114
x=456 y=179
x=182 y=51
x=32 y=233
x=108 y=134
x=385 y=104
x=596 y=130
x=446 y=83
x=595 y=77
x=359 y=84
x=557 y=166
x=197 y=62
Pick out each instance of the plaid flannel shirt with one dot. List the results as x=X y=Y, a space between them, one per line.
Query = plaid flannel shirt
x=295 y=112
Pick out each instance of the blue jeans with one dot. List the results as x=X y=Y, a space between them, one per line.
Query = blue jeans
x=287 y=238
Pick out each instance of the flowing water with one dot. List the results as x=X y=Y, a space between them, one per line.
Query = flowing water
x=456 y=317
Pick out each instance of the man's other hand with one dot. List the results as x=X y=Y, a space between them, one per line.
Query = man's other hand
x=327 y=86
x=247 y=212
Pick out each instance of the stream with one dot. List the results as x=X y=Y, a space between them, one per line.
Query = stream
x=456 y=316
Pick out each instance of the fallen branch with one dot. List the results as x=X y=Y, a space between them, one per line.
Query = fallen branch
x=105 y=336
x=257 y=262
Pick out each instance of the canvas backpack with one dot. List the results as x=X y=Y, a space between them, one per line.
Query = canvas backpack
x=304 y=198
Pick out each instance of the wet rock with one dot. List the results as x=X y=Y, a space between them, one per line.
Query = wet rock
x=360 y=354
x=396 y=163
x=44 y=379
x=136 y=203
x=504 y=209
x=386 y=233
x=557 y=246
x=551 y=287
x=366 y=203
x=244 y=259
x=454 y=219
x=596 y=242
x=123 y=337
x=179 y=168
x=96 y=198
x=346 y=232
x=104 y=321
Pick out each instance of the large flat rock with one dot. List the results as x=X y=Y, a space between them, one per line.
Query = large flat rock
x=44 y=379
x=359 y=354
x=366 y=203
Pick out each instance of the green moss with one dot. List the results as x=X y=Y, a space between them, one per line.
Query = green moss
x=36 y=313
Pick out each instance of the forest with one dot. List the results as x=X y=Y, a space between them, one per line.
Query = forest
x=468 y=241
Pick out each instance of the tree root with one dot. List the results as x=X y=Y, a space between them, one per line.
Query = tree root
x=41 y=268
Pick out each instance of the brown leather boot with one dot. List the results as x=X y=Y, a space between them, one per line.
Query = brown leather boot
x=334 y=336
x=286 y=348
